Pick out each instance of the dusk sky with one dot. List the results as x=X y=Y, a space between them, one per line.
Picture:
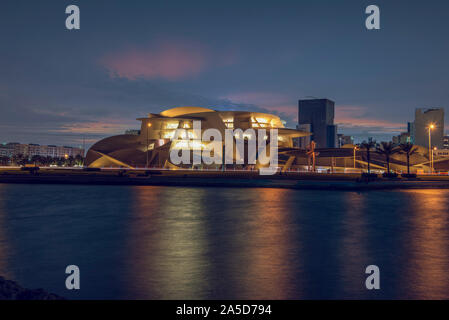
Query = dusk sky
x=134 y=57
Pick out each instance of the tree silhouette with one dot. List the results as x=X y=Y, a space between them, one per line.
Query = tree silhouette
x=368 y=145
x=387 y=149
x=409 y=149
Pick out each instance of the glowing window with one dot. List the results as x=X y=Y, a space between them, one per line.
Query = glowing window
x=262 y=120
x=172 y=125
x=168 y=134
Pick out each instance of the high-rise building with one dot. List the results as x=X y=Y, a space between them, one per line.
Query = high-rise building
x=446 y=142
x=423 y=119
x=411 y=131
x=303 y=142
x=319 y=114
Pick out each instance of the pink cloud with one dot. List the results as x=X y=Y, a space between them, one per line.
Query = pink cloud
x=168 y=60
x=356 y=117
x=102 y=126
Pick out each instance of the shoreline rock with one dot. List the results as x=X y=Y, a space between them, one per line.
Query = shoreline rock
x=10 y=290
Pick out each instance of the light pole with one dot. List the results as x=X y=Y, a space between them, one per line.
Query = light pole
x=431 y=127
x=148 y=142
x=434 y=149
x=355 y=148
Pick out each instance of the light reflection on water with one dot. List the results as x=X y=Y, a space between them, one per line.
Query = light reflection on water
x=428 y=241
x=205 y=243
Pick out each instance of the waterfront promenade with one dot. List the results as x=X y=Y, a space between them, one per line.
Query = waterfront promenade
x=214 y=178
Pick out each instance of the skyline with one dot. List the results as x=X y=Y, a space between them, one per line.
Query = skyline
x=58 y=86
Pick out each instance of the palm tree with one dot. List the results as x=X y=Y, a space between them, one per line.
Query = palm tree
x=368 y=146
x=387 y=149
x=36 y=159
x=79 y=160
x=409 y=149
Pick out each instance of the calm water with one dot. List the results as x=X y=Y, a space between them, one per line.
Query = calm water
x=203 y=243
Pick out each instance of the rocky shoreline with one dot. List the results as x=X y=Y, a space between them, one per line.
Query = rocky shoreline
x=10 y=290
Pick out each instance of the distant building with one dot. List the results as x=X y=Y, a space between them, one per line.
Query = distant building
x=404 y=137
x=411 y=131
x=446 y=142
x=441 y=153
x=425 y=117
x=6 y=150
x=319 y=114
x=343 y=140
x=30 y=150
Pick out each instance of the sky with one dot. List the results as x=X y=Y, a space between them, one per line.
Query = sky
x=129 y=58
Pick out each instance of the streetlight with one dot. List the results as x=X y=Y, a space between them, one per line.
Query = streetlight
x=355 y=149
x=148 y=142
x=434 y=149
x=431 y=127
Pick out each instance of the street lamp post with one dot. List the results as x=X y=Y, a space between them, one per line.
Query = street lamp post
x=148 y=142
x=431 y=127
x=355 y=149
x=433 y=150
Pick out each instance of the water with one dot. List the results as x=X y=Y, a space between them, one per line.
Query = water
x=225 y=243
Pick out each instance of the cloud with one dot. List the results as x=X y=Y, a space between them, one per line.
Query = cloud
x=359 y=118
x=172 y=60
x=102 y=126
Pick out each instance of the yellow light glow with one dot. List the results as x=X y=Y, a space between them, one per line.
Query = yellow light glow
x=432 y=126
x=189 y=145
x=149 y=125
x=262 y=120
x=169 y=135
x=172 y=125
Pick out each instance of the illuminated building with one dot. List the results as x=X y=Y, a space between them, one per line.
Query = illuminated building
x=152 y=145
x=446 y=142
